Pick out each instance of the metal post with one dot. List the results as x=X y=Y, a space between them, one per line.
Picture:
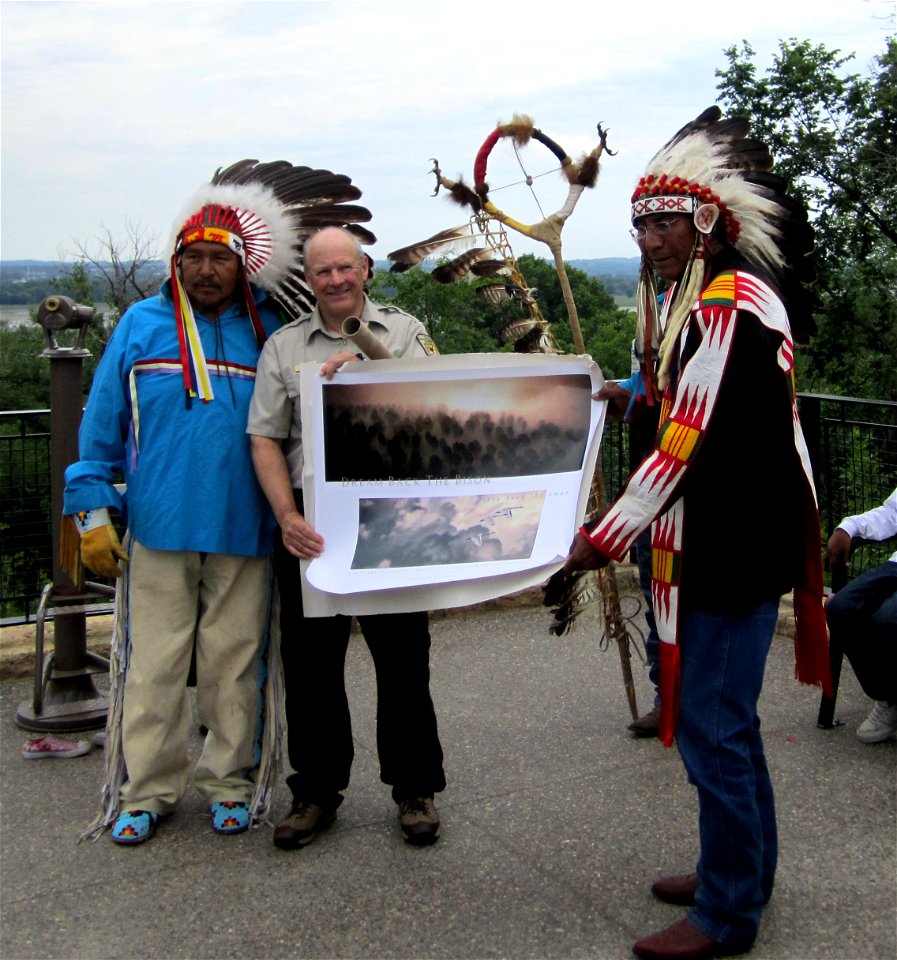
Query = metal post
x=65 y=698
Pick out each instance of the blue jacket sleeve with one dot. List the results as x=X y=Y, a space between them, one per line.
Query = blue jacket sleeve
x=102 y=439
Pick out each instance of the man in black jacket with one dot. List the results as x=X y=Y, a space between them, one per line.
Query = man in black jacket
x=728 y=462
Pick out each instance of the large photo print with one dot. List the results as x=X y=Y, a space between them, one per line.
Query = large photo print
x=446 y=480
x=449 y=429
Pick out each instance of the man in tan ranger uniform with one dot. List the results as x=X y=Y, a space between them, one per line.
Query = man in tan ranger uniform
x=313 y=649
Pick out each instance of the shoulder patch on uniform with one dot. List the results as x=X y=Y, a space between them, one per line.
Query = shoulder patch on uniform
x=428 y=344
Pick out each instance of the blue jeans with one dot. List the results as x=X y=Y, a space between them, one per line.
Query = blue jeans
x=718 y=735
x=862 y=619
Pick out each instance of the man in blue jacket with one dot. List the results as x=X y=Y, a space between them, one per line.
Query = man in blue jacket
x=167 y=412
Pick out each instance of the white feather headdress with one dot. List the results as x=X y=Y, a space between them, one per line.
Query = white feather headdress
x=263 y=212
x=274 y=207
x=714 y=161
x=712 y=164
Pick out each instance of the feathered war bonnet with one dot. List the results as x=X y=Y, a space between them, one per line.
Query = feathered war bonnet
x=262 y=212
x=713 y=171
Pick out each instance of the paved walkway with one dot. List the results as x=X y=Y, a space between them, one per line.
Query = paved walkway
x=555 y=821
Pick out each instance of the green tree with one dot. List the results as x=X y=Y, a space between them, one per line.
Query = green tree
x=451 y=312
x=832 y=134
x=31 y=291
x=606 y=329
x=24 y=373
x=460 y=322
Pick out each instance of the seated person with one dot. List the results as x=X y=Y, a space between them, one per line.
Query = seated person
x=862 y=618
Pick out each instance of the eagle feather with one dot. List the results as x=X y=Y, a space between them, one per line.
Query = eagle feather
x=407 y=257
x=460 y=266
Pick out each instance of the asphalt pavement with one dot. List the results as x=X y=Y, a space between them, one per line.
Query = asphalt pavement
x=555 y=822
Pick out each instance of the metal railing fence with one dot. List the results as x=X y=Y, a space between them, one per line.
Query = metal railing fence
x=853 y=449
x=25 y=525
x=852 y=442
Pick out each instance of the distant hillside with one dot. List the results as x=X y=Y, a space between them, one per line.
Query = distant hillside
x=608 y=266
x=13 y=270
x=21 y=271
x=27 y=281
x=24 y=282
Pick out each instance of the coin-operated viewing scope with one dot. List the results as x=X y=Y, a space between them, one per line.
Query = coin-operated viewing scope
x=62 y=313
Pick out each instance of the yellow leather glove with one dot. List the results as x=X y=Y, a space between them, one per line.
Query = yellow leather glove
x=101 y=549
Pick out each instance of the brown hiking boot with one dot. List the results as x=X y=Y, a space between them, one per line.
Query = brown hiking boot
x=300 y=826
x=420 y=821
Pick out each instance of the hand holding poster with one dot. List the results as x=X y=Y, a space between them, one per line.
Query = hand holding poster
x=444 y=481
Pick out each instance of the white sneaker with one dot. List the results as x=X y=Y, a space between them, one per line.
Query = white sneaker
x=881 y=724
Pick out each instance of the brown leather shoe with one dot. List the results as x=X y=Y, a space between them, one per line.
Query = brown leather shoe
x=647 y=725
x=301 y=825
x=681 y=941
x=420 y=821
x=679 y=890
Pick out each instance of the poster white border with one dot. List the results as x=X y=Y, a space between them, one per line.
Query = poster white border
x=502 y=504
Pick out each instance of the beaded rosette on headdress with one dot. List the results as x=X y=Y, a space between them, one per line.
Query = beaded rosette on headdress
x=262 y=212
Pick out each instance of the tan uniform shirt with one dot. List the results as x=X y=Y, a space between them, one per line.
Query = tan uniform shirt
x=274 y=411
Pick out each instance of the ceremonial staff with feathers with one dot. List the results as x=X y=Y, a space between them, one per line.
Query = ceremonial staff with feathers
x=567 y=593
x=728 y=493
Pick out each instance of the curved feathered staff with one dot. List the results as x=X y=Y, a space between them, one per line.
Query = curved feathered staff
x=569 y=595
x=580 y=176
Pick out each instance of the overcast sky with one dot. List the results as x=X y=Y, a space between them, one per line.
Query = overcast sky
x=113 y=114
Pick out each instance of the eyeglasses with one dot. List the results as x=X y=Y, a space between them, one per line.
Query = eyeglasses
x=660 y=228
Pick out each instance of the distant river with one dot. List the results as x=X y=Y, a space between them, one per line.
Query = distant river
x=14 y=314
